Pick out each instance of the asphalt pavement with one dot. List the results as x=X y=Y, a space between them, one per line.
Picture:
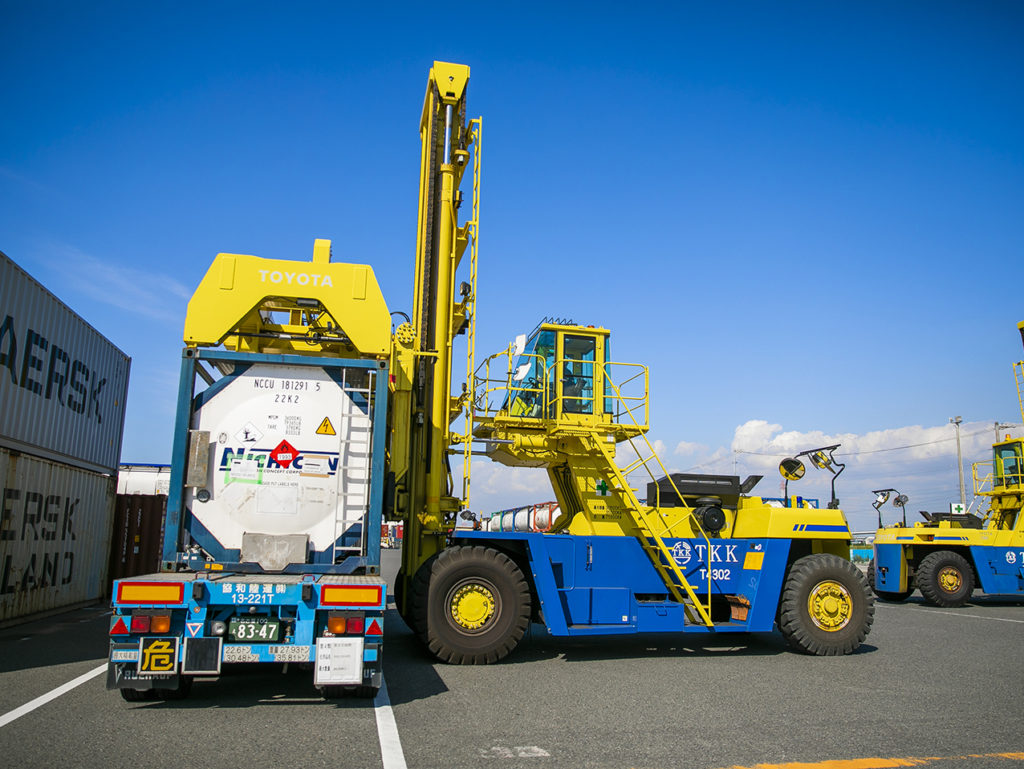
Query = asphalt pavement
x=940 y=686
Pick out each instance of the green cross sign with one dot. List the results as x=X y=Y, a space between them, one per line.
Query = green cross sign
x=602 y=488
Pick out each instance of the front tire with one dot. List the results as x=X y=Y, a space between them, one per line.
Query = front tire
x=945 y=579
x=478 y=606
x=826 y=607
x=886 y=595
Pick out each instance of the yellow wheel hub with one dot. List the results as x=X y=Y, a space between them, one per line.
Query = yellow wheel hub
x=472 y=606
x=950 y=579
x=830 y=606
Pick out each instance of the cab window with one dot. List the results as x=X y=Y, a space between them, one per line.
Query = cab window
x=578 y=374
x=1009 y=467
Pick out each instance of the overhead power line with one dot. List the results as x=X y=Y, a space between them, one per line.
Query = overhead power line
x=871 y=451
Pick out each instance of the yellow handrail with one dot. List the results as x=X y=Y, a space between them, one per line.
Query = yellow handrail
x=704 y=611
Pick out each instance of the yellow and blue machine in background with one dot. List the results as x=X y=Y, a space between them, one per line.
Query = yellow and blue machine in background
x=949 y=555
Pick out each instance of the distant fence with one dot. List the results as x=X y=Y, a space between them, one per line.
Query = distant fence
x=861 y=554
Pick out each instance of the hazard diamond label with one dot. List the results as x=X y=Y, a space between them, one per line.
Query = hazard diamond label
x=284 y=454
x=325 y=428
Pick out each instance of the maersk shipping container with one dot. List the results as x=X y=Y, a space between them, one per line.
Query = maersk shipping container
x=55 y=532
x=62 y=384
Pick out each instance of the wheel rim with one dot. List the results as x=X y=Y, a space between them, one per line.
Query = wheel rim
x=472 y=604
x=830 y=606
x=950 y=579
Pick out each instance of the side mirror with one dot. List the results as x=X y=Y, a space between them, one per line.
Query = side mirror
x=792 y=469
x=519 y=345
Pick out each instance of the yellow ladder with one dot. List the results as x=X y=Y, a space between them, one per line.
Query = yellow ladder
x=650 y=530
x=1018 y=377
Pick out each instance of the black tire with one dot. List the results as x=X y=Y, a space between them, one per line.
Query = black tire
x=886 y=595
x=945 y=579
x=416 y=609
x=478 y=606
x=138 y=695
x=179 y=692
x=844 y=607
x=399 y=593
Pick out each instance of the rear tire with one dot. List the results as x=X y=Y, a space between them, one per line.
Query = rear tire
x=138 y=695
x=179 y=692
x=399 y=595
x=945 y=579
x=886 y=595
x=826 y=607
x=478 y=606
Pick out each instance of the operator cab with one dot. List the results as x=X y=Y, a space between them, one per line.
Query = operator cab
x=559 y=372
x=1008 y=464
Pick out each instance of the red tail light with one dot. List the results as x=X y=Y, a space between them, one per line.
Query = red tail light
x=355 y=626
x=140 y=623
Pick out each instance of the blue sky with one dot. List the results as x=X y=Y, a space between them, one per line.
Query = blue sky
x=805 y=218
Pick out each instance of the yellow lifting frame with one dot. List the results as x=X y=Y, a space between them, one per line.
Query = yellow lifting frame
x=238 y=291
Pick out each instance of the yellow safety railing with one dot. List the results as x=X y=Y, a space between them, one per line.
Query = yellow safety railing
x=983 y=474
x=653 y=521
x=535 y=398
x=505 y=389
x=627 y=404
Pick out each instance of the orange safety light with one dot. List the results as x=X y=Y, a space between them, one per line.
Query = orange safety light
x=351 y=595
x=150 y=592
x=160 y=623
x=336 y=625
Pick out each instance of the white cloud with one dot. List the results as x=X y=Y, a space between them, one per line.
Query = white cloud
x=142 y=292
x=684 y=448
x=498 y=487
x=919 y=461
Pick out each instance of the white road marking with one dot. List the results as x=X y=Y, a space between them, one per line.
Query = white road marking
x=950 y=613
x=387 y=730
x=38 y=702
x=519 y=751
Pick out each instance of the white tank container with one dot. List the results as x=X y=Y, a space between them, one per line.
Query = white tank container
x=541 y=517
x=289 y=454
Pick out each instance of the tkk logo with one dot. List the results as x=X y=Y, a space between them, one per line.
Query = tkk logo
x=682 y=552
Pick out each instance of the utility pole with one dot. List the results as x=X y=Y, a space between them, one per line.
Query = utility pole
x=959 y=460
x=1002 y=426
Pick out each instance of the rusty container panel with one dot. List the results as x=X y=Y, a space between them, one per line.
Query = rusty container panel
x=138 y=535
x=63 y=385
x=55 y=527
